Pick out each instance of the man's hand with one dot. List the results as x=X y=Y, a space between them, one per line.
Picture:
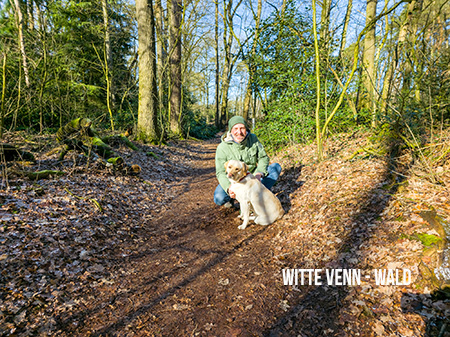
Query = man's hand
x=258 y=176
x=232 y=194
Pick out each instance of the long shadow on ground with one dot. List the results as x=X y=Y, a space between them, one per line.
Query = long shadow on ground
x=177 y=232
x=317 y=307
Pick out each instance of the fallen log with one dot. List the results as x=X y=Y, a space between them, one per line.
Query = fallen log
x=99 y=147
x=78 y=135
x=120 y=139
x=44 y=174
x=78 y=128
x=116 y=161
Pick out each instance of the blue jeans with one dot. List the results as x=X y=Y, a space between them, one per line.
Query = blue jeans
x=221 y=197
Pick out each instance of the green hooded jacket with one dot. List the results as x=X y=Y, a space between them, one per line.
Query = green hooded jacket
x=250 y=151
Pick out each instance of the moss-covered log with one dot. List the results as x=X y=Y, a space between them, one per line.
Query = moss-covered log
x=78 y=135
x=116 y=161
x=44 y=174
x=120 y=139
x=99 y=147
x=78 y=128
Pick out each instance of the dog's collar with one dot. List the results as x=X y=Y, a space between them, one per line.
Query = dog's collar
x=244 y=177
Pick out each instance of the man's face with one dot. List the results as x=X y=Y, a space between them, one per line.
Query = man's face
x=239 y=132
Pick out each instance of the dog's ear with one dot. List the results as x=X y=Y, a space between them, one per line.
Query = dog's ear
x=244 y=168
x=226 y=165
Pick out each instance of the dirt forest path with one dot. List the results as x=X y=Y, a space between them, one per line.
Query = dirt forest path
x=195 y=273
x=159 y=258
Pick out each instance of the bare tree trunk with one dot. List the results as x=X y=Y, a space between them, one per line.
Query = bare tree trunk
x=227 y=68
x=162 y=57
x=2 y=111
x=19 y=16
x=251 y=70
x=110 y=97
x=387 y=81
x=345 y=28
x=408 y=36
x=369 y=59
x=325 y=23
x=107 y=34
x=175 y=67
x=341 y=50
x=148 y=95
x=319 y=140
x=43 y=81
x=283 y=7
x=325 y=49
x=387 y=86
x=226 y=75
x=30 y=21
x=218 y=120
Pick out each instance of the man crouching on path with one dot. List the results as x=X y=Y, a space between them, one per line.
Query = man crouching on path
x=239 y=144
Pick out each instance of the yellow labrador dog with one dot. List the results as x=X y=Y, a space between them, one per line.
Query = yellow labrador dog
x=250 y=192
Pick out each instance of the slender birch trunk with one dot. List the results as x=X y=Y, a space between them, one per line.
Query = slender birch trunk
x=20 y=21
x=218 y=120
x=251 y=70
x=108 y=64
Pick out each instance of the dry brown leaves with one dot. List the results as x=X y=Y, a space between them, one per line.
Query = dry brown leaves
x=58 y=236
x=363 y=216
x=59 y=249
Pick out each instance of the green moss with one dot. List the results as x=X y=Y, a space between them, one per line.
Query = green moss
x=428 y=239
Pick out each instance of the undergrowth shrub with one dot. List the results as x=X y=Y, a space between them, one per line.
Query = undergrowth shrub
x=198 y=127
x=285 y=124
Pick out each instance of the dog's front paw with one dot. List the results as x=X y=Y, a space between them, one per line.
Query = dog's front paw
x=242 y=226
